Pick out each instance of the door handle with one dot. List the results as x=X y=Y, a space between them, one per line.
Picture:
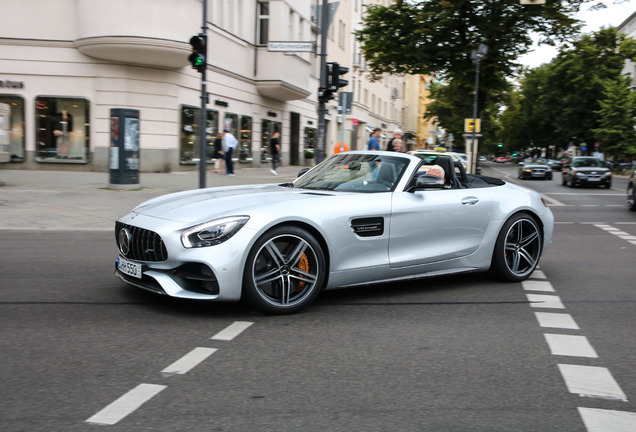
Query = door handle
x=471 y=200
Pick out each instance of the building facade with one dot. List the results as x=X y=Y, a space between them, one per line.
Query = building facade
x=67 y=66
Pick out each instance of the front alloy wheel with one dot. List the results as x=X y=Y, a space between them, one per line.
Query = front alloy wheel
x=518 y=249
x=285 y=271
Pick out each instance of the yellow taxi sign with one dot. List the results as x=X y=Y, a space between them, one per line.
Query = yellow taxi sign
x=472 y=125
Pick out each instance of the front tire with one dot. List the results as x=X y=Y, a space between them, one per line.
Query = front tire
x=518 y=249
x=284 y=272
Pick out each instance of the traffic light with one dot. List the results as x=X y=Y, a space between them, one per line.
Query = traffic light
x=324 y=95
x=199 y=51
x=334 y=77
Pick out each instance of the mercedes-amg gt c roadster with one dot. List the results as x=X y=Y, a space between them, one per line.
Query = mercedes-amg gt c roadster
x=357 y=218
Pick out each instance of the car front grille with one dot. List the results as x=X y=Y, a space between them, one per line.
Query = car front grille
x=142 y=244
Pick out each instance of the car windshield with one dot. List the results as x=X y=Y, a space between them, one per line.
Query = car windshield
x=591 y=162
x=538 y=161
x=429 y=158
x=346 y=172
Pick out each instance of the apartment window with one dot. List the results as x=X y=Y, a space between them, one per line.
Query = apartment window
x=263 y=23
x=341 y=33
x=62 y=129
x=12 y=124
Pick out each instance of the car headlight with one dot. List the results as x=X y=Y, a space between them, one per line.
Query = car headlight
x=607 y=174
x=581 y=174
x=212 y=232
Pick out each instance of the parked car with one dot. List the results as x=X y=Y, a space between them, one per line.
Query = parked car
x=501 y=159
x=631 y=192
x=357 y=218
x=586 y=170
x=555 y=164
x=536 y=168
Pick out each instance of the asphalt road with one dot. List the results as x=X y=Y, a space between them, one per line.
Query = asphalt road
x=446 y=354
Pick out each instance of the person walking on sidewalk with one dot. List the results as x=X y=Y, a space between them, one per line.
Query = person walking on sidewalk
x=274 y=149
x=219 y=163
x=230 y=145
x=373 y=143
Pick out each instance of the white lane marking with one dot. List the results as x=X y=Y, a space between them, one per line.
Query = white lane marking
x=617 y=232
x=126 y=404
x=232 y=331
x=600 y=420
x=188 y=361
x=570 y=345
x=545 y=301
x=556 y=320
x=591 y=381
x=530 y=285
x=538 y=274
x=552 y=202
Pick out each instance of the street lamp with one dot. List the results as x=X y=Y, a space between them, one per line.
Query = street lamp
x=476 y=57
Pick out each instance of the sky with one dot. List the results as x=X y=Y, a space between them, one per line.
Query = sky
x=616 y=12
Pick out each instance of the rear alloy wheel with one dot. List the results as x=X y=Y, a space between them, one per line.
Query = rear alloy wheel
x=518 y=249
x=285 y=271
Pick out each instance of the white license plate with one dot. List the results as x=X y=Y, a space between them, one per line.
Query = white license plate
x=593 y=179
x=128 y=267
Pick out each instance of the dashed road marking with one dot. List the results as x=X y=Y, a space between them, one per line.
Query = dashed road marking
x=591 y=381
x=545 y=301
x=188 y=361
x=232 y=331
x=532 y=285
x=617 y=232
x=556 y=320
x=600 y=420
x=126 y=404
x=570 y=345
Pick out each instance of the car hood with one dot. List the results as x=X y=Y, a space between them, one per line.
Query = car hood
x=203 y=204
x=535 y=166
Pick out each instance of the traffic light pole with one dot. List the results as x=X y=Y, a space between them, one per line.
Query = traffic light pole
x=322 y=109
x=204 y=101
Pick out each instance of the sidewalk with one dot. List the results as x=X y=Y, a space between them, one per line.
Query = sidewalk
x=61 y=200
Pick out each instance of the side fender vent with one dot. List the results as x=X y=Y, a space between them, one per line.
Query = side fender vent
x=368 y=227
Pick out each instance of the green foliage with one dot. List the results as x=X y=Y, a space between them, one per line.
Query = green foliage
x=426 y=36
x=560 y=102
x=616 y=118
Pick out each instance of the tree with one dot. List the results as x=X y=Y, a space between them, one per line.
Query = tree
x=426 y=36
x=617 y=116
x=561 y=100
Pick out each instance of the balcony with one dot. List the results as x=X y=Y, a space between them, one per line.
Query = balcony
x=282 y=77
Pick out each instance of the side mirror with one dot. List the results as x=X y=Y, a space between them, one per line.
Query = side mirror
x=303 y=172
x=426 y=181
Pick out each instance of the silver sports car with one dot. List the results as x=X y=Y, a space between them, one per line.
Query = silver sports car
x=358 y=218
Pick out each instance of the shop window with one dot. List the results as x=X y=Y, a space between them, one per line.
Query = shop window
x=268 y=127
x=189 y=136
x=11 y=128
x=62 y=130
x=245 y=140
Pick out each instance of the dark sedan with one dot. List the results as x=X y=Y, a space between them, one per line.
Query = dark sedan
x=536 y=168
x=586 y=170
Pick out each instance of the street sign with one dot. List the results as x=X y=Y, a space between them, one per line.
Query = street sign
x=281 y=46
x=472 y=125
x=344 y=101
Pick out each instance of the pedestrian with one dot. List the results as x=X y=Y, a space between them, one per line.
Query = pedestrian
x=373 y=143
x=230 y=145
x=398 y=146
x=397 y=134
x=274 y=150
x=219 y=163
